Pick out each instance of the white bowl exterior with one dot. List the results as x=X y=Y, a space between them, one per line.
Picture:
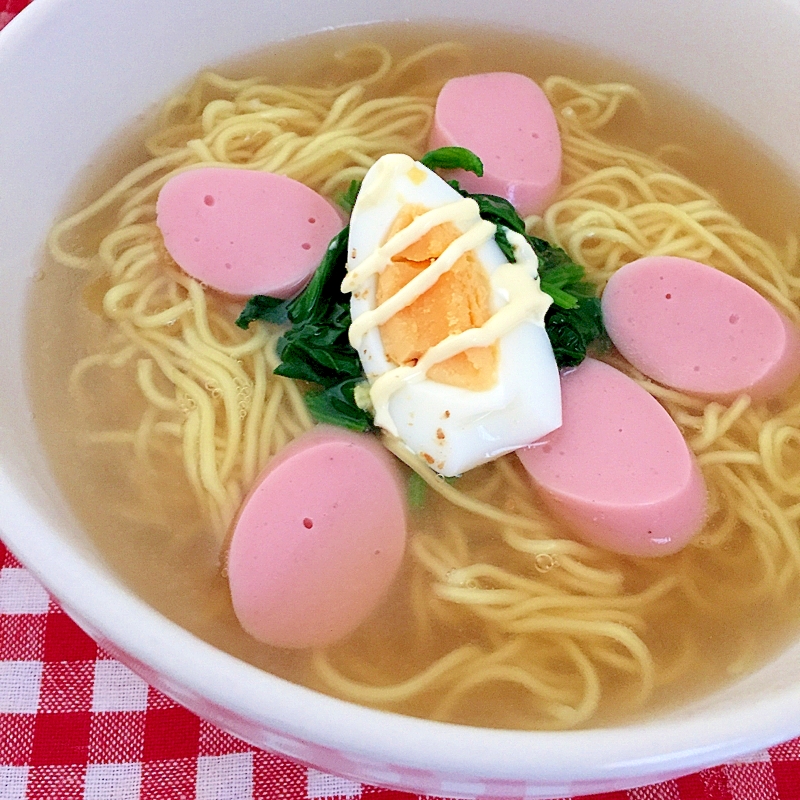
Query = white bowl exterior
x=74 y=72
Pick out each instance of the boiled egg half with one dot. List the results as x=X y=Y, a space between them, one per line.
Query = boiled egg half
x=451 y=336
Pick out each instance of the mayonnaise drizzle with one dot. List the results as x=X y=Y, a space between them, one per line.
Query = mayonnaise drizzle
x=477 y=235
x=518 y=285
x=465 y=210
x=525 y=301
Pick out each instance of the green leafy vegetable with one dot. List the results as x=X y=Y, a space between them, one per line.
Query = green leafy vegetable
x=348 y=199
x=268 y=309
x=501 y=237
x=498 y=210
x=574 y=322
x=417 y=490
x=494 y=209
x=336 y=406
x=453 y=158
x=573 y=331
x=323 y=288
x=314 y=301
x=316 y=348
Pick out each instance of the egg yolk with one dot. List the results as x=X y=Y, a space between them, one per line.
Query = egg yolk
x=458 y=301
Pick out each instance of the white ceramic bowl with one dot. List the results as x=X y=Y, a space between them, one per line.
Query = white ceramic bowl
x=72 y=72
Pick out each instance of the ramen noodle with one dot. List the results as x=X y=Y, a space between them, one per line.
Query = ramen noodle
x=499 y=616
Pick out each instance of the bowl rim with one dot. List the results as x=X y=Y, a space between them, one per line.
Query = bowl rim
x=621 y=752
x=630 y=750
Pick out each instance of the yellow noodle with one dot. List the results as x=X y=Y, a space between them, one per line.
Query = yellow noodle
x=555 y=619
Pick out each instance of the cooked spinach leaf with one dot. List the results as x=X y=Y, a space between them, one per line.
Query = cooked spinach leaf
x=336 y=406
x=267 y=309
x=498 y=210
x=417 y=490
x=453 y=158
x=501 y=237
x=573 y=331
x=323 y=288
x=348 y=199
x=574 y=322
x=316 y=348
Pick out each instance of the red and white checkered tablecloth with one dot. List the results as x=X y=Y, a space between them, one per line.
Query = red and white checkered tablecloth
x=75 y=724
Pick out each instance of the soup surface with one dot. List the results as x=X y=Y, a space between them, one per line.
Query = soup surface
x=501 y=623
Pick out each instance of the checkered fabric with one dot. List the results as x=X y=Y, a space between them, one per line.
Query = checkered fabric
x=9 y=9
x=75 y=724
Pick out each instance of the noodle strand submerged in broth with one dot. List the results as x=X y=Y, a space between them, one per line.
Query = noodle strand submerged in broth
x=500 y=618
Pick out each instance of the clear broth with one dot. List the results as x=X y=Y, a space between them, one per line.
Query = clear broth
x=171 y=561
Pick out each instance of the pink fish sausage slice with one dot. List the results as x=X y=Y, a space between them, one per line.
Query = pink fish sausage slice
x=245 y=232
x=507 y=120
x=618 y=471
x=694 y=328
x=318 y=541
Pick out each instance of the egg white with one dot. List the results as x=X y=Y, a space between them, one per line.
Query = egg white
x=453 y=428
